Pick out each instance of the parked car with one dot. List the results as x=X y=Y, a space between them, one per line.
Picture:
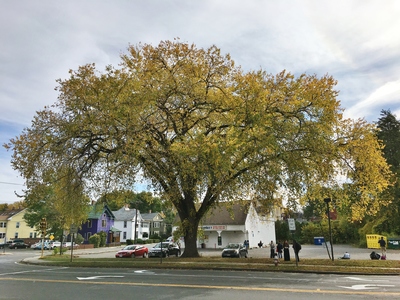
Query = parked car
x=68 y=245
x=133 y=251
x=54 y=244
x=38 y=246
x=165 y=249
x=234 y=250
x=5 y=245
x=18 y=243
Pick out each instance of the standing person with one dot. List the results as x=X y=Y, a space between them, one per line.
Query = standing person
x=286 y=253
x=296 y=248
x=279 y=248
x=272 y=246
x=382 y=243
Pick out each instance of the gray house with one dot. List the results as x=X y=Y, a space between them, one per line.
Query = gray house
x=154 y=222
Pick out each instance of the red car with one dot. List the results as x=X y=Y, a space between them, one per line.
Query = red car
x=133 y=251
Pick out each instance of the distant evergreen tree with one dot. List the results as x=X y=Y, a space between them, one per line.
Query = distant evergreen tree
x=388 y=220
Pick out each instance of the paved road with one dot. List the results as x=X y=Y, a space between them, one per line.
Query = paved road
x=105 y=283
x=308 y=251
x=19 y=281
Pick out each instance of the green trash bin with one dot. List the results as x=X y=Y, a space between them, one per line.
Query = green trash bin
x=393 y=243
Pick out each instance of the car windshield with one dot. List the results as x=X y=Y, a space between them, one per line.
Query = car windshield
x=130 y=247
x=164 y=245
x=232 y=246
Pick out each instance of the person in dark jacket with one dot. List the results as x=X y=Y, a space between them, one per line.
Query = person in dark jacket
x=279 y=248
x=286 y=253
x=296 y=248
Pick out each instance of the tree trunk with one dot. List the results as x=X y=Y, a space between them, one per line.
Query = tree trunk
x=191 y=241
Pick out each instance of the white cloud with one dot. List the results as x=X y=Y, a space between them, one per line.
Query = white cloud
x=385 y=97
x=355 y=41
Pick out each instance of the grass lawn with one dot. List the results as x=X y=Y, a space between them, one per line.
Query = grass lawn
x=260 y=264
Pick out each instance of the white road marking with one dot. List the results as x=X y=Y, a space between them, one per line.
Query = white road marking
x=97 y=277
x=366 y=286
x=363 y=279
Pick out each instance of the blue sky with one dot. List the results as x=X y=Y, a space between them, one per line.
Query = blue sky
x=357 y=42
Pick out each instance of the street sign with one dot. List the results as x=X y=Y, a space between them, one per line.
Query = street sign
x=292 y=224
x=73 y=228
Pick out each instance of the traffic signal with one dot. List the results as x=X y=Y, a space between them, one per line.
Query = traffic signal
x=43 y=225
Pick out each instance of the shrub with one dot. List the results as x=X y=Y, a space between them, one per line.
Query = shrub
x=103 y=238
x=95 y=240
x=129 y=242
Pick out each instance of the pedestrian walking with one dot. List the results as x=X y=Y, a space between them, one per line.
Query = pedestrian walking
x=296 y=248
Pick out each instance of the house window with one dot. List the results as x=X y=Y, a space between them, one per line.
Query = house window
x=17 y=225
x=16 y=235
x=88 y=235
x=125 y=224
x=89 y=223
x=30 y=235
x=3 y=224
x=103 y=223
x=35 y=235
x=156 y=225
x=2 y=235
x=124 y=235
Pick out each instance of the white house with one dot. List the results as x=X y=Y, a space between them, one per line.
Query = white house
x=235 y=224
x=125 y=220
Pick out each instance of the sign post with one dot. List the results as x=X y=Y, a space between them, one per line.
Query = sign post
x=73 y=230
x=292 y=228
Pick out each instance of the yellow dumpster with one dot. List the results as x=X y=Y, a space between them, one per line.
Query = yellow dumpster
x=372 y=241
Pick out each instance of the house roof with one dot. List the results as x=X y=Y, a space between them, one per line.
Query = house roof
x=151 y=216
x=125 y=214
x=4 y=215
x=98 y=210
x=232 y=214
x=113 y=229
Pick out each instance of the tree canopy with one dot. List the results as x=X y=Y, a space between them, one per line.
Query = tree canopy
x=201 y=131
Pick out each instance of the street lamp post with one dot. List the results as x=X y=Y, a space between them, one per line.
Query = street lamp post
x=327 y=200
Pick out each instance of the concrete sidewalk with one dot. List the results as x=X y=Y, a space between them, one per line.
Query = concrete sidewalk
x=321 y=252
x=315 y=251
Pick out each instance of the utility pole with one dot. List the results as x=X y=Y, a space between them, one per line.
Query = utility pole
x=327 y=200
x=134 y=240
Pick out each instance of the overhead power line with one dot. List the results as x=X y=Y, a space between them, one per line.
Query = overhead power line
x=12 y=183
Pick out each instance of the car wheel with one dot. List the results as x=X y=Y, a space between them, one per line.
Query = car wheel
x=145 y=255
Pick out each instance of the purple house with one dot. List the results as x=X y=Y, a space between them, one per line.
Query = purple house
x=100 y=218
